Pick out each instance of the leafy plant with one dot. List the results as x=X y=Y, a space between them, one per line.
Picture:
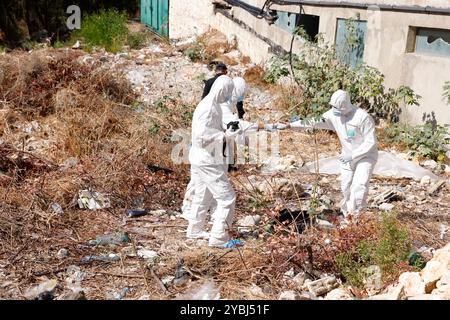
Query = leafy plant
x=319 y=73
x=137 y=40
x=391 y=247
x=428 y=141
x=106 y=29
x=194 y=53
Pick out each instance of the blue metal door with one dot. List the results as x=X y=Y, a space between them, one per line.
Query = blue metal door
x=350 y=41
x=155 y=14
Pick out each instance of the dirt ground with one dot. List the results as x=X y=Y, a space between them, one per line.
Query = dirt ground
x=32 y=234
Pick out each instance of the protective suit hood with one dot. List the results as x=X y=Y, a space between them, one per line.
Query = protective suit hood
x=221 y=91
x=240 y=88
x=340 y=100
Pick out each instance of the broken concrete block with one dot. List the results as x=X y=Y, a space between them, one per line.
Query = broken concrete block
x=443 y=292
x=289 y=295
x=339 y=294
x=426 y=180
x=387 y=197
x=248 y=223
x=413 y=284
x=436 y=187
x=46 y=289
x=386 y=207
x=322 y=286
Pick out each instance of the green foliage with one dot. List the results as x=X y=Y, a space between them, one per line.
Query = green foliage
x=446 y=94
x=154 y=128
x=194 y=53
x=390 y=248
x=137 y=40
x=107 y=29
x=428 y=141
x=320 y=73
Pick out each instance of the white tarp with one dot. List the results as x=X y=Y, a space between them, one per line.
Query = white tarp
x=388 y=165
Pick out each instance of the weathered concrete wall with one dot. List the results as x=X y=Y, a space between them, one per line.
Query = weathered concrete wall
x=189 y=18
x=385 y=47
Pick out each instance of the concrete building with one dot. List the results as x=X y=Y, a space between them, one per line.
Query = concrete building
x=407 y=40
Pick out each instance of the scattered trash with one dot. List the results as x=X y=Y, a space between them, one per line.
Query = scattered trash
x=105 y=258
x=204 y=291
x=436 y=187
x=43 y=291
x=150 y=256
x=388 y=165
x=111 y=239
x=322 y=286
x=167 y=280
x=73 y=296
x=233 y=244
x=324 y=224
x=387 y=197
x=386 y=207
x=77 y=45
x=301 y=218
x=246 y=224
x=136 y=213
x=289 y=274
x=93 y=200
x=415 y=259
x=57 y=209
x=63 y=253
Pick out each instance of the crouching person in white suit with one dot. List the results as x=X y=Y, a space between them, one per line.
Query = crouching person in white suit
x=356 y=131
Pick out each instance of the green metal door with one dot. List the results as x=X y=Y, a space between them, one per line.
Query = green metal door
x=155 y=14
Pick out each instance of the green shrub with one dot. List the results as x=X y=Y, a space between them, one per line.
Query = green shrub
x=320 y=73
x=137 y=40
x=194 y=53
x=428 y=141
x=106 y=29
x=390 y=248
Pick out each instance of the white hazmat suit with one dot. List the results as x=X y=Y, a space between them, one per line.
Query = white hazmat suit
x=208 y=168
x=356 y=131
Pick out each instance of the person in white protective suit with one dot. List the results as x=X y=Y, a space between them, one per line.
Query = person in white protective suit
x=356 y=131
x=228 y=115
x=208 y=167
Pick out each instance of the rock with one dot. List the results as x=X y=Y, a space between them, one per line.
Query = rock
x=56 y=208
x=289 y=274
x=73 y=296
x=445 y=280
x=247 y=223
x=63 y=253
x=386 y=207
x=443 y=292
x=426 y=180
x=69 y=163
x=93 y=200
x=436 y=187
x=393 y=293
x=373 y=279
x=289 y=295
x=77 y=45
x=150 y=256
x=430 y=164
x=433 y=271
x=447 y=169
x=323 y=224
x=425 y=297
x=300 y=279
x=322 y=286
x=413 y=284
x=167 y=280
x=158 y=213
x=339 y=294
x=43 y=291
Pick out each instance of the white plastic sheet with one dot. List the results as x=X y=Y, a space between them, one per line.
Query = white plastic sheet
x=388 y=165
